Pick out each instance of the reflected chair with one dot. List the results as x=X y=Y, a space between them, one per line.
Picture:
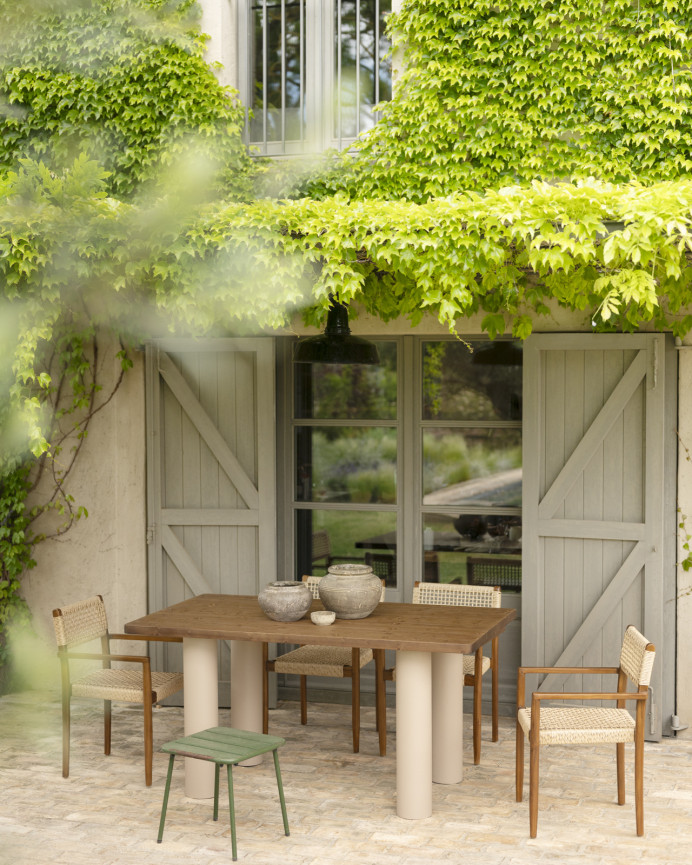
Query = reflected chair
x=475 y=666
x=86 y=622
x=383 y=565
x=563 y=725
x=494 y=570
x=333 y=662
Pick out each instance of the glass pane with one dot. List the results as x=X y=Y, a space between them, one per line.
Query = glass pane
x=283 y=45
x=482 y=549
x=346 y=464
x=348 y=392
x=346 y=53
x=325 y=537
x=363 y=77
x=480 y=467
x=482 y=384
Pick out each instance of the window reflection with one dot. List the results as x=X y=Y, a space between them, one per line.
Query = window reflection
x=346 y=464
x=472 y=381
x=348 y=392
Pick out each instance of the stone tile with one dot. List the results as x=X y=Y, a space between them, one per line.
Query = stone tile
x=340 y=805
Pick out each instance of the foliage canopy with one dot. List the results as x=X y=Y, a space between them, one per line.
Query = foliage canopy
x=534 y=153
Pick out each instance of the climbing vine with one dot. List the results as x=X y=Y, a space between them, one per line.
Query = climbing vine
x=535 y=155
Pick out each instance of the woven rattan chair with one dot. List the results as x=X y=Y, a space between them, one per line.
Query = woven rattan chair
x=587 y=724
x=334 y=662
x=85 y=622
x=475 y=666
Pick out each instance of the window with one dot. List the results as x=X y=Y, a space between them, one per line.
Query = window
x=412 y=466
x=312 y=71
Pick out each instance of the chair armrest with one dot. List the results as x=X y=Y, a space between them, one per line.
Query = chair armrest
x=144 y=638
x=590 y=695
x=88 y=656
x=570 y=670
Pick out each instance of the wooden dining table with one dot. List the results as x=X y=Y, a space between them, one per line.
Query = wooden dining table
x=429 y=642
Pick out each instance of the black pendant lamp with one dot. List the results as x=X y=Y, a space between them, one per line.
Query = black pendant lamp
x=336 y=345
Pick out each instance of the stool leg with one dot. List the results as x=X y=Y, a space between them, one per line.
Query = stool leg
x=231 y=808
x=281 y=790
x=217 y=766
x=165 y=797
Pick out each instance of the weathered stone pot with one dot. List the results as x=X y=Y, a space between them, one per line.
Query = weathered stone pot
x=285 y=601
x=351 y=591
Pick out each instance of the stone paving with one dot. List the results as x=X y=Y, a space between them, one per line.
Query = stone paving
x=340 y=804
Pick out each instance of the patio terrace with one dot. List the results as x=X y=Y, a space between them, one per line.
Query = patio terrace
x=340 y=804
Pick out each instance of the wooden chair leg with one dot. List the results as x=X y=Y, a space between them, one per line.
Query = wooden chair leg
x=519 y=770
x=477 y=705
x=620 y=761
x=65 y=734
x=380 y=701
x=495 y=688
x=107 y=720
x=533 y=788
x=303 y=700
x=639 y=777
x=355 y=698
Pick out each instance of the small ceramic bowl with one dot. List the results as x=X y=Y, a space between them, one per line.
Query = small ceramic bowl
x=323 y=617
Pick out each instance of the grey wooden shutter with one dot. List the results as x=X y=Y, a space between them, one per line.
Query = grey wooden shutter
x=211 y=500
x=599 y=510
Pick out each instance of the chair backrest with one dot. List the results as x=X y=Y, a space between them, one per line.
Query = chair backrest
x=384 y=565
x=455 y=595
x=321 y=548
x=494 y=571
x=637 y=657
x=80 y=622
x=313 y=584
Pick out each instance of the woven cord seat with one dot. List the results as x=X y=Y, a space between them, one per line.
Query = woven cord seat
x=85 y=622
x=475 y=666
x=223 y=746
x=575 y=725
x=336 y=662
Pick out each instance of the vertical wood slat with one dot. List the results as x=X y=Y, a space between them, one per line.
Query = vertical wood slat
x=225 y=423
x=611 y=480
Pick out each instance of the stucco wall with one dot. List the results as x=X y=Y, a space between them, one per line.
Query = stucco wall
x=104 y=553
x=684 y=606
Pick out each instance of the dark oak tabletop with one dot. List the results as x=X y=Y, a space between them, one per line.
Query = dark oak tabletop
x=407 y=627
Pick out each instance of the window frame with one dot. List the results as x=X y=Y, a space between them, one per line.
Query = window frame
x=320 y=34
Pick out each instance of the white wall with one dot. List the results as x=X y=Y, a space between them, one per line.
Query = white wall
x=684 y=607
x=104 y=553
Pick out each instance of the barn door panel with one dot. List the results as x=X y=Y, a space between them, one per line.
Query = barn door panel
x=211 y=473
x=595 y=497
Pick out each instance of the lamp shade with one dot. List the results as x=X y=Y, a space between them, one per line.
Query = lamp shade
x=336 y=344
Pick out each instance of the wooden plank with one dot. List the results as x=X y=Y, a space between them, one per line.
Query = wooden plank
x=209 y=517
x=184 y=563
x=600 y=529
x=402 y=627
x=610 y=412
x=594 y=621
x=208 y=431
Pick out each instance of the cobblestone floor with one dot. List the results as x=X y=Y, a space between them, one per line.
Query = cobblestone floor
x=340 y=804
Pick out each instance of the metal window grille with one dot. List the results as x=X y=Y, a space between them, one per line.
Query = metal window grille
x=315 y=70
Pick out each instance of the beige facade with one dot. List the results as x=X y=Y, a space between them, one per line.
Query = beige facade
x=106 y=553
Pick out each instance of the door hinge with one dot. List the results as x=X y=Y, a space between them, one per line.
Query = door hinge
x=150 y=534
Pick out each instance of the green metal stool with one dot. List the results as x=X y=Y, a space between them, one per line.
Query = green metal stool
x=223 y=746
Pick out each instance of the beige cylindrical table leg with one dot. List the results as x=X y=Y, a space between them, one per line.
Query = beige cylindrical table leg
x=447 y=718
x=201 y=709
x=246 y=689
x=413 y=735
